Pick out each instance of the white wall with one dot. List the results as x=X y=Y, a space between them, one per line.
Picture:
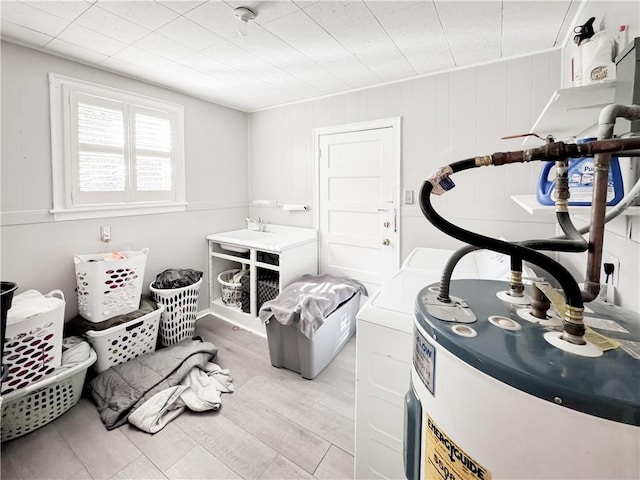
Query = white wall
x=37 y=252
x=445 y=118
x=622 y=236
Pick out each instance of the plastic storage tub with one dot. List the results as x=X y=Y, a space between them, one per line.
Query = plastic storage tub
x=107 y=289
x=289 y=348
x=32 y=407
x=128 y=340
x=178 y=321
x=32 y=338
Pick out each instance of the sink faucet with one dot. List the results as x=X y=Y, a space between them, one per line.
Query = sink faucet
x=259 y=224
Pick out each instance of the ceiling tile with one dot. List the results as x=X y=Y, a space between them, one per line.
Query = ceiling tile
x=473 y=30
x=120 y=66
x=141 y=57
x=74 y=51
x=189 y=33
x=181 y=6
x=270 y=48
x=415 y=29
x=230 y=54
x=32 y=18
x=83 y=37
x=320 y=78
x=146 y=13
x=215 y=16
x=350 y=23
x=163 y=46
x=306 y=36
x=527 y=26
x=202 y=63
x=386 y=62
x=69 y=9
x=111 y=25
x=352 y=72
x=17 y=33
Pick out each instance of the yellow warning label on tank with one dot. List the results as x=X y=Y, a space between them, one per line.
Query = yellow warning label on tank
x=445 y=460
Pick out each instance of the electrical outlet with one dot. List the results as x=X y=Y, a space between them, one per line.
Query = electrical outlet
x=615 y=261
x=105 y=233
x=408 y=197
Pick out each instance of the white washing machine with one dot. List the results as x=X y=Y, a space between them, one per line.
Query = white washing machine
x=384 y=347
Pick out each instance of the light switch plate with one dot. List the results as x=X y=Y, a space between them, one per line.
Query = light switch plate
x=408 y=197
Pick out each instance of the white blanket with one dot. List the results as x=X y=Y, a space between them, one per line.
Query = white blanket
x=199 y=391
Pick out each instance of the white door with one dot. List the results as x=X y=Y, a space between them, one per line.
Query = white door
x=358 y=176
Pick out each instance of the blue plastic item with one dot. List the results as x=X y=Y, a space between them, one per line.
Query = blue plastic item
x=581 y=176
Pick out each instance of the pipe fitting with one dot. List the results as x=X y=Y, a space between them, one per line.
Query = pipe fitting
x=573 y=324
x=484 y=161
x=516 y=287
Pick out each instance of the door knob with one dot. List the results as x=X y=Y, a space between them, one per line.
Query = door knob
x=386 y=242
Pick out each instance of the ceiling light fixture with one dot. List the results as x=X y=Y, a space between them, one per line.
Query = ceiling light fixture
x=244 y=14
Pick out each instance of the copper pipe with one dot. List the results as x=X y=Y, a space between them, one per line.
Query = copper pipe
x=596 y=232
x=602 y=162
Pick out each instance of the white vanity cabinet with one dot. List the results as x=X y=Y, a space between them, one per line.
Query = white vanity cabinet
x=287 y=252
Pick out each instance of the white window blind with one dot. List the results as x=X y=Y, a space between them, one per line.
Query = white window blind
x=117 y=151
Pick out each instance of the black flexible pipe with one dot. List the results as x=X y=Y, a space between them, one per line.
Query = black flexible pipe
x=557 y=244
x=561 y=274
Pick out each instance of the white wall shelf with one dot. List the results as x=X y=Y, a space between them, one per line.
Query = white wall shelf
x=570 y=112
x=531 y=205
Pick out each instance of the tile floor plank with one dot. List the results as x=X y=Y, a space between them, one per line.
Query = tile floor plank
x=163 y=448
x=275 y=425
x=283 y=469
x=42 y=453
x=235 y=447
x=200 y=464
x=304 y=408
x=254 y=413
x=140 y=469
x=102 y=452
x=336 y=465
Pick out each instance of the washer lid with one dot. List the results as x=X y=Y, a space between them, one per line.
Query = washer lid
x=607 y=386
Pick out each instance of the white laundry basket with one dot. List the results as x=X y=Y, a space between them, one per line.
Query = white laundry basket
x=109 y=288
x=33 y=341
x=32 y=407
x=126 y=341
x=178 y=321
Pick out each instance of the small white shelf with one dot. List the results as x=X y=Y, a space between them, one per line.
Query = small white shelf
x=531 y=205
x=570 y=112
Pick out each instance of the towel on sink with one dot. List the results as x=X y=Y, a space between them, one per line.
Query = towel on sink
x=309 y=300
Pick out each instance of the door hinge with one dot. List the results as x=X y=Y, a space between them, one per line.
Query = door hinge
x=395 y=220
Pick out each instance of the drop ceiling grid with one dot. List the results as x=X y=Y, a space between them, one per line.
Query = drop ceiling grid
x=417 y=32
x=295 y=50
x=186 y=31
x=473 y=30
x=67 y=10
x=148 y=14
x=32 y=18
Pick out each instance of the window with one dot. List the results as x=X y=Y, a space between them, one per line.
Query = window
x=114 y=153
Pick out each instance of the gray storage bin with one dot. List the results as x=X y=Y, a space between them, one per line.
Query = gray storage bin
x=289 y=348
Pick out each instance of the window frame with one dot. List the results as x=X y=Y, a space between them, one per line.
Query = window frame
x=64 y=92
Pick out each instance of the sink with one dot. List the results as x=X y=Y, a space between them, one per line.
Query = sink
x=275 y=238
x=233 y=248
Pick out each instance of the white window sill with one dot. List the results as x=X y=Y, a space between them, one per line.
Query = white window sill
x=115 y=211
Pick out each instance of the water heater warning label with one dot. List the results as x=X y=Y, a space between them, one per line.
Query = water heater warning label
x=446 y=461
x=424 y=360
